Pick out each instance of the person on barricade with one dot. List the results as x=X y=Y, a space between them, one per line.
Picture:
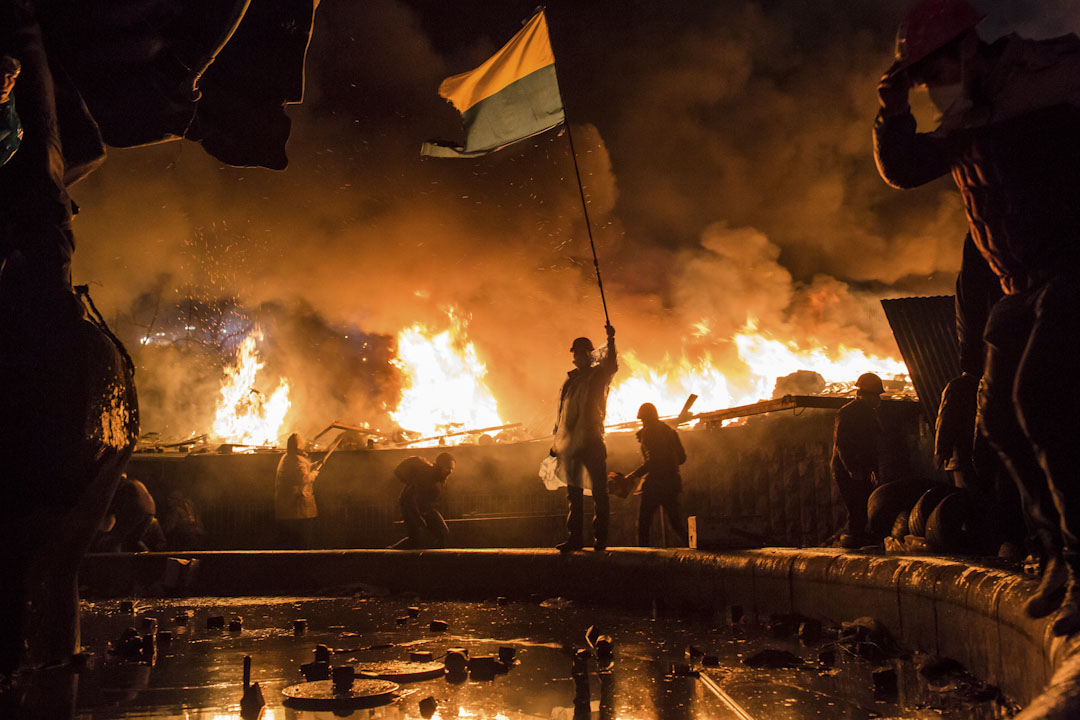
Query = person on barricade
x=579 y=439
x=1010 y=137
x=424 y=485
x=856 y=443
x=663 y=454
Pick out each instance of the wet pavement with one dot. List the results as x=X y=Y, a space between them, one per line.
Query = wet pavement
x=658 y=668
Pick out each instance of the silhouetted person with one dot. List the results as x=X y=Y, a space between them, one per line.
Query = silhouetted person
x=1011 y=513
x=181 y=524
x=1010 y=137
x=11 y=131
x=424 y=484
x=294 y=497
x=131 y=519
x=856 y=442
x=579 y=439
x=663 y=454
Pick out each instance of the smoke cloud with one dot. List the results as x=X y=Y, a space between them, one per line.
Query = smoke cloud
x=724 y=149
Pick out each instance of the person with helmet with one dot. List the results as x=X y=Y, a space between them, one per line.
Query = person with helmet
x=1010 y=137
x=856 y=438
x=663 y=454
x=579 y=439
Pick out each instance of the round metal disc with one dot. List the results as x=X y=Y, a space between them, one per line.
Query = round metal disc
x=401 y=670
x=320 y=694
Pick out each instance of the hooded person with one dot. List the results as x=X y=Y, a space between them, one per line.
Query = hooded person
x=294 y=496
x=663 y=454
x=424 y=483
x=579 y=439
x=1010 y=137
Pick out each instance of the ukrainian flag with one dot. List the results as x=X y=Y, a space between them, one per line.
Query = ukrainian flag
x=512 y=96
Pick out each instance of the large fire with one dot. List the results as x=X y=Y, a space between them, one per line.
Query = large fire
x=244 y=415
x=444 y=383
x=764 y=360
x=444 y=389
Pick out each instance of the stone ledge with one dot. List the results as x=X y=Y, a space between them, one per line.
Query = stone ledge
x=936 y=605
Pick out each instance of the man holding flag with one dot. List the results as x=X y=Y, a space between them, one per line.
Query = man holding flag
x=579 y=438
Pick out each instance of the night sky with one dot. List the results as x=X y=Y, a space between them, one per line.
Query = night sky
x=725 y=149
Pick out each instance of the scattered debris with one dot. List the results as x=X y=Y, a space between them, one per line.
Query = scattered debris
x=252 y=702
x=215 y=622
x=773 y=658
x=427 y=707
x=439 y=625
x=886 y=688
x=456 y=660
x=299 y=626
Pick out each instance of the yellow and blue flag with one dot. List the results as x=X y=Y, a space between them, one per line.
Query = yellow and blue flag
x=512 y=96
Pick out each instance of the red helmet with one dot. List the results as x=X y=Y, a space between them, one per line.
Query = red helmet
x=930 y=26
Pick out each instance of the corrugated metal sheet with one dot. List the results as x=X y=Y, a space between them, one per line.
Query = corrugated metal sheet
x=925 y=331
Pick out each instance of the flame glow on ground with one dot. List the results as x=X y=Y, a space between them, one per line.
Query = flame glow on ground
x=244 y=415
x=444 y=386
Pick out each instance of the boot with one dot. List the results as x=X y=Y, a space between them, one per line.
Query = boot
x=1068 y=617
x=571 y=544
x=1047 y=596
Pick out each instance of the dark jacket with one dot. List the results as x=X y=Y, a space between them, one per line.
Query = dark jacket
x=977 y=289
x=423 y=483
x=1014 y=153
x=583 y=405
x=663 y=454
x=856 y=439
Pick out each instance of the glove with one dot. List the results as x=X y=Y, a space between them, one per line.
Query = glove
x=893 y=92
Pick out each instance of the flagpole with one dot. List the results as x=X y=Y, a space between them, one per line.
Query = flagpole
x=585 y=210
x=581 y=190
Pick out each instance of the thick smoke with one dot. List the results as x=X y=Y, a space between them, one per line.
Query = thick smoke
x=724 y=147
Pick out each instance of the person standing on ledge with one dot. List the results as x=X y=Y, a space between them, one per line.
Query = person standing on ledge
x=424 y=484
x=1010 y=137
x=663 y=453
x=579 y=439
x=856 y=436
x=294 y=497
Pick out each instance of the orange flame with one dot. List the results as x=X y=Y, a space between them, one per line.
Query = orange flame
x=244 y=415
x=444 y=386
x=764 y=360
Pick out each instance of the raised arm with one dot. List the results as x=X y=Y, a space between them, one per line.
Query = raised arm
x=610 y=362
x=905 y=158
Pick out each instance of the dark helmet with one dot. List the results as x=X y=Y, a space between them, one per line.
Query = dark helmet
x=869 y=383
x=581 y=343
x=293 y=444
x=647 y=411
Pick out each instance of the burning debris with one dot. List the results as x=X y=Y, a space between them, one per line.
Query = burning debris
x=244 y=415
